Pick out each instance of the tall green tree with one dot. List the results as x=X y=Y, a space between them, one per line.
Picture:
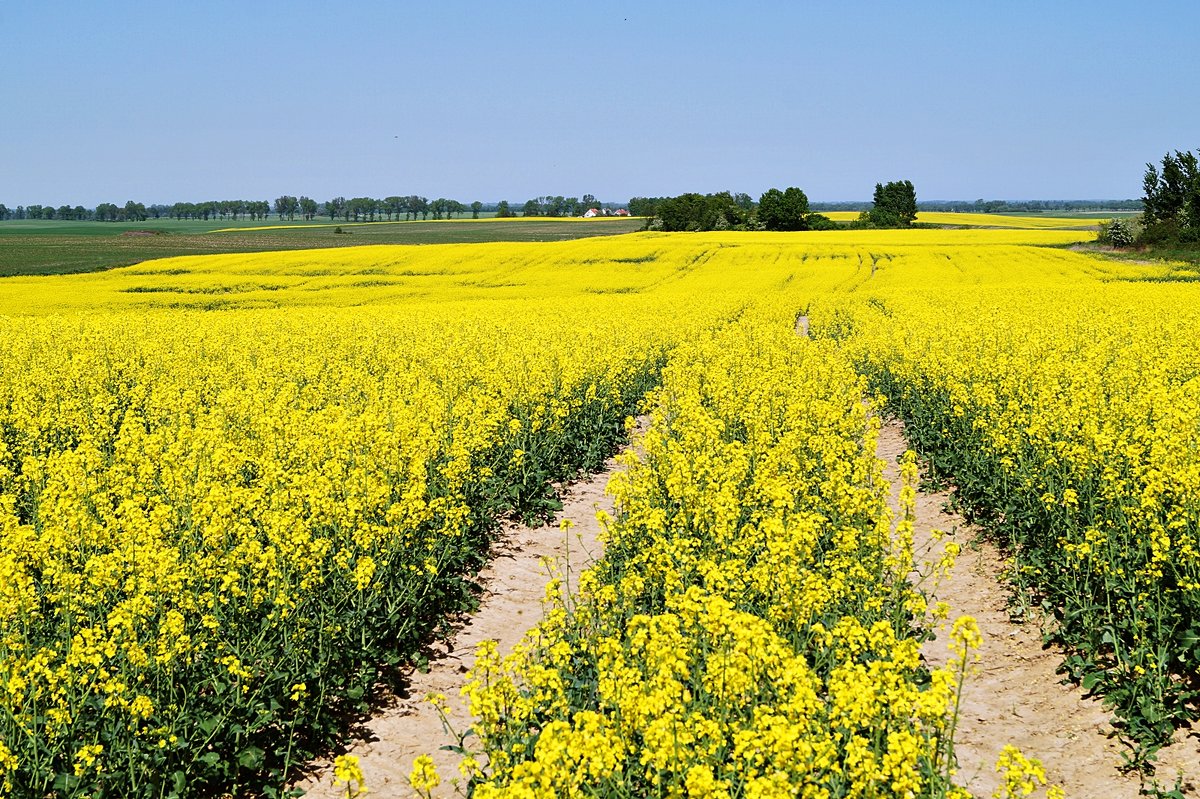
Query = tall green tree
x=644 y=206
x=359 y=208
x=895 y=204
x=783 y=210
x=1171 y=203
x=286 y=205
x=415 y=206
x=1191 y=195
x=1150 y=198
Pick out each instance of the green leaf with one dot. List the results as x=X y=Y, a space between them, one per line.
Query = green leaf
x=251 y=757
x=65 y=782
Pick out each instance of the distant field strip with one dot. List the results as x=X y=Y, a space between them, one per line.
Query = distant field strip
x=985 y=220
x=388 y=274
x=51 y=247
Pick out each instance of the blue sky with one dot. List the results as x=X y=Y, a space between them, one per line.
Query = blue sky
x=160 y=102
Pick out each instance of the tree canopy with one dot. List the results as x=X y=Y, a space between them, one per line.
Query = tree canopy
x=894 y=204
x=694 y=211
x=1172 y=198
x=777 y=209
x=783 y=210
x=645 y=206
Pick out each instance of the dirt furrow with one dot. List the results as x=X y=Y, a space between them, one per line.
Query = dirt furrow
x=1017 y=697
x=514 y=584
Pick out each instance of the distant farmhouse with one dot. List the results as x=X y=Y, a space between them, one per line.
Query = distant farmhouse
x=591 y=212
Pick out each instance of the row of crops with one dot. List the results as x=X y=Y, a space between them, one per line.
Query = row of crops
x=238 y=492
x=750 y=631
x=1069 y=419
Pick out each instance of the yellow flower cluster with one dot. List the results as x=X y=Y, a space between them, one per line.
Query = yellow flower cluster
x=1022 y=776
x=346 y=769
x=424 y=777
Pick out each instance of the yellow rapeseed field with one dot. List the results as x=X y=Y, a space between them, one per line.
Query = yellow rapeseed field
x=966 y=219
x=235 y=490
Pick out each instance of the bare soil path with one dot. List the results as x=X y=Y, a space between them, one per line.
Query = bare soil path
x=1017 y=697
x=514 y=585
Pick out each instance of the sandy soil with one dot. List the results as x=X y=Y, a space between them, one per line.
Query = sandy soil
x=514 y=584
x=1017 y=697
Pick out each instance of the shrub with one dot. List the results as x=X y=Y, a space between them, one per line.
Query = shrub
x=821 y=222
x=885 y=218
x=1120 y=233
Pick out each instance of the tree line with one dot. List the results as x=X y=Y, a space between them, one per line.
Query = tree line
x=556 y=205
x=894 y=205
x=104 y=212
x=355 y=209
x=413 y=207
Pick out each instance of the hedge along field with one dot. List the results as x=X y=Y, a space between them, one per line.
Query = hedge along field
x=235 y=489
